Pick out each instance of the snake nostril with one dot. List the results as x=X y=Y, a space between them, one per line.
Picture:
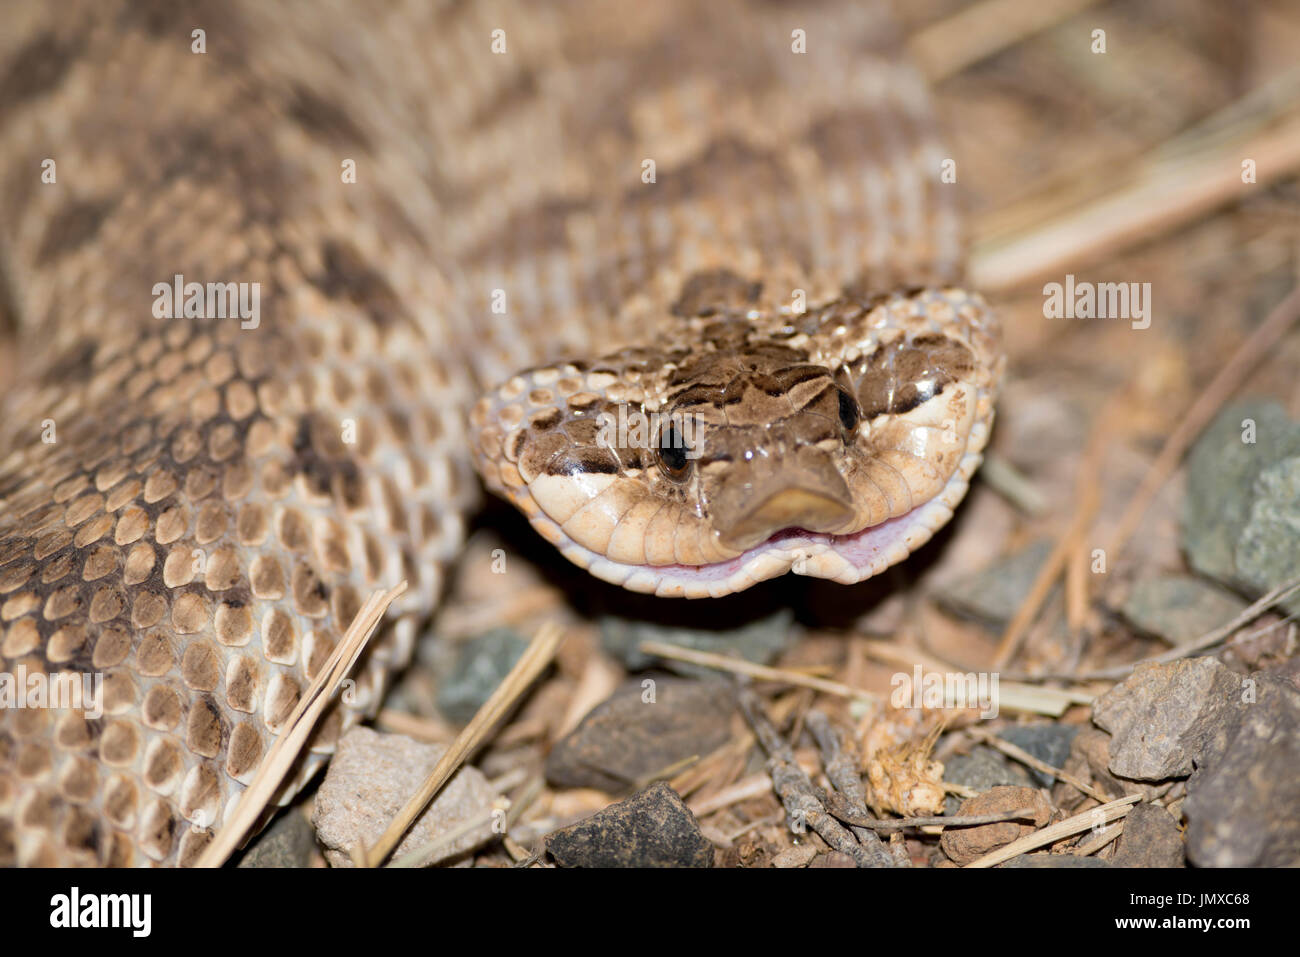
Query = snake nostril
x=849 y=415
x=672 y=454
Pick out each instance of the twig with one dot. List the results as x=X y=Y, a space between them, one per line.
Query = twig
x=842 y=811
x=841 y=760
x=534 y=660
x=1054 y=832
x=289 y=743
x=794 y=788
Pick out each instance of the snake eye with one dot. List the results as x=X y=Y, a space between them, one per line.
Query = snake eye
x=672 y=454
x=849 y=417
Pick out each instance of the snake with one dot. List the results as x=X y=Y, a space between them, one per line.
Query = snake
x=682 y=282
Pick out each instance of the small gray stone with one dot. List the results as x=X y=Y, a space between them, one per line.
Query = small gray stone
x=981 y=769
x=1151 y=839
x=1165 y=717
x=758 y=641
x=1180 y=608
x=1222 y=470
x=652 y=828
x=1049 y=743
x=480 y=667
x=644 y=728
x=1242 y=802
x=1268 y=551
x=372 y=777
x=994 y=594
x=288 y=842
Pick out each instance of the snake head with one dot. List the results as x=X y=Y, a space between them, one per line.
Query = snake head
x=831 y=443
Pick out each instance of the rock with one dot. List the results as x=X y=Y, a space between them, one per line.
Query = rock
x=1268 y=550
x=759 y=641
x=1242 y=802
x=645 y=727
x=479 y=668
x=1165 y=716
x=1089 y=761
x=1180 y=608
x=1151 y=839
x=652 y=828
x=1055 y=861
x=800 y=855
x=1049 y=743
x=1222 y=492
x=981 y=769
x=288 y=842
x=966 y=844
x=371 y=778
x=994 y=594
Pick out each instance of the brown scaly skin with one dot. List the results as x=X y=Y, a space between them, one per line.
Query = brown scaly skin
x=194 y=508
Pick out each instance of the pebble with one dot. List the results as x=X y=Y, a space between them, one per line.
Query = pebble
x=981 y=769
x=371 y=778
x=1164 y=717
x=290 y=841
x=479 y=668
x=994 y=594
x=1240 y=512
x=1151 y=839
x=652 y=828
x=1049 y=743
x=1179 y=608
x=645 y=727
x=966 y=844
x=1243 y=802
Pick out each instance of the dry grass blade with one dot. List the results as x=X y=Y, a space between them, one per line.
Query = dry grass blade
x=983 y=29
x=530 y=665
x=1055 y=832
x=760 y=672
x=289 y=744
x=1071 y=542
x=1172 y=188
x=1025 y=758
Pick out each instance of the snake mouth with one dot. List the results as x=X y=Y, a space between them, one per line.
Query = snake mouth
x=846 y=559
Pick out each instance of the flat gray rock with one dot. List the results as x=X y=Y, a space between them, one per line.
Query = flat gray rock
x=371 y=778
x=1268 y=550
x=1223 y=469
x=1179 y=608
x=479 y=668
x=642 y=729
x=993 y=594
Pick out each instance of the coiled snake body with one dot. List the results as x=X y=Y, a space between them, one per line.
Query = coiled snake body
x=725 y=219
